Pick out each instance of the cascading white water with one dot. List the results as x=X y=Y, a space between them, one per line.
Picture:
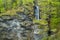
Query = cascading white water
x=37 y=31
x=15 y=24
x=36 y=12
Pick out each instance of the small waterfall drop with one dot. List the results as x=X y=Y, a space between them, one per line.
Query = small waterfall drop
x=36 y=12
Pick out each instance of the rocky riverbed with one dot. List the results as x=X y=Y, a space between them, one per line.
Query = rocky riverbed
x=19 y=27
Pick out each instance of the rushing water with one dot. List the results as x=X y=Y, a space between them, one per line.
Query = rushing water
x=36 y=11
x=14 y=27
x=15 y=23
x=39 y=34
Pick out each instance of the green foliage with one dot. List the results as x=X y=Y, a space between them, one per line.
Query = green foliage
x=46 y=6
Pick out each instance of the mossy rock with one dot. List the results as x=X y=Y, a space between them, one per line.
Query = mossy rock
x=41 y=21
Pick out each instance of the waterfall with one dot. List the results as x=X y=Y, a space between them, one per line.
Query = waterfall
x=36 y=11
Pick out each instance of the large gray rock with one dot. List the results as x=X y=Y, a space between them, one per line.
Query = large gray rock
x=19 y=27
